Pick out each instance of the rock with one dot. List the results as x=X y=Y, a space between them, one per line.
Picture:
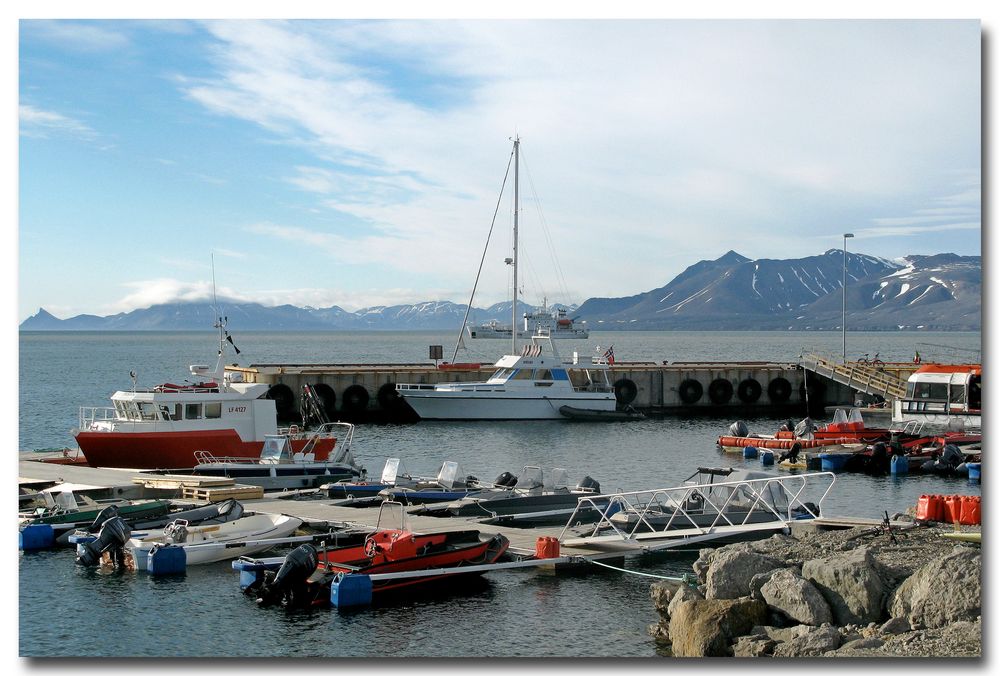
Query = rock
x=781 y=634
x=796 y=597
x=944 y=590
x=660 y=631
x=753 y=646
x=732 y=568
x=701 y=564
x=683 y=593
x=896 y=625
x=817 y=641
x=870 y=643
x=662 y=592
x=705 y=628
x=851 y=583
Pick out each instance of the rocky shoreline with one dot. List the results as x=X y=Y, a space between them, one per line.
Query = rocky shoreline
x=860 y=592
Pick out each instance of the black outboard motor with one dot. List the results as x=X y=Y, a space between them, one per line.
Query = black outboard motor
x=739 y=429
x=805 y=429
x=103 y=516
x=878 y=463
x=112 y=538
x=290 y=580
x=589 y=484
x=505 y=480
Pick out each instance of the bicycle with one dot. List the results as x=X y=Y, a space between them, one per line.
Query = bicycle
x=874 y=362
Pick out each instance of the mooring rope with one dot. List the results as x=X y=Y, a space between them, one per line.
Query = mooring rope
x=686 y=579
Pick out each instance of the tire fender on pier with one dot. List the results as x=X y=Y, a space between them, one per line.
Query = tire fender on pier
x=388 y=397
x=690 y=391
x=749 y=391
x=625 y=391
x=328 y=398
x=284 y=400
x=355 y=398
x=720 y=391
x=779 y=390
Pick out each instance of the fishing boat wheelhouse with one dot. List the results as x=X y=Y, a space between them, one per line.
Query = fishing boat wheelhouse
x=942 y=394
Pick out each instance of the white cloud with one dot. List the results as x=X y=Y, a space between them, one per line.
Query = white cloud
x=86 y=36
x=43 y=123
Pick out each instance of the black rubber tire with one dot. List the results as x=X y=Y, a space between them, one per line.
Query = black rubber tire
x=625 y=391
x=327 y=398
x=355 y=398
x=749 y=391
x=388 y=397
x=284 y=400
x=779 y=390
x=690 y=391
x=720 y=391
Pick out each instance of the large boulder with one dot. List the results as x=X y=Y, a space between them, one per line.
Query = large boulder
x=944 y=590
x=731 y=570
x=816 y=642
x=706 y=628
x=796 y=598
x=753 y=646
x=851 y=583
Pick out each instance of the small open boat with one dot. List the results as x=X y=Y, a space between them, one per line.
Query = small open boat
x=279 y=467
x=450 y=484
x=305 y=576
x=208 y=544
x=393 y=475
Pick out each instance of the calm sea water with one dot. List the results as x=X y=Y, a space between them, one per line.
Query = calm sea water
x=514 y=613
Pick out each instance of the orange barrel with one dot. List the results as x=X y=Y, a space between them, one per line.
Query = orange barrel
x=952 y=508
x=547 y=548
x=929 y=508
x=971 y=511
x=785 y=434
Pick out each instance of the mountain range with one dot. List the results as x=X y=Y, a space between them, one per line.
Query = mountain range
x=938 y=292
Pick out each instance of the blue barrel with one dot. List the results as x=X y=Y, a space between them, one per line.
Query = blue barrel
x=80 y=541
x=974 y=471
x=252 y=570
x=767 y=458
x=899 y=464
x=36 y=536
x=749 y=451
x=166 y=560
x=351 y=590
x=830 y=462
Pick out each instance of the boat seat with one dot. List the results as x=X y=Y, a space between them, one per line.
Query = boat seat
x=303 y=457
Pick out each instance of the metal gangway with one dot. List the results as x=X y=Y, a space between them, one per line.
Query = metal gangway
x=867 y=378
x=700 y=510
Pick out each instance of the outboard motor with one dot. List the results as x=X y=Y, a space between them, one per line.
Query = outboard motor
x=290 y=578
x=112 y=538
x=103 y=516
x=805 y=429
x=176 y=531
x=951 y=456
x=505 y=480
x=589 y=484
x=739 y=429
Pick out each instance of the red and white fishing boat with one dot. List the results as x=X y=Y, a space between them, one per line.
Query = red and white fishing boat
x=164 y=426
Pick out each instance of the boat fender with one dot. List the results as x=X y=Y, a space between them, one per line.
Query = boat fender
x=690 y=391
x=748 y=391
x=779 y=390
x=625 y=391
x=36 y=536
x=284 y=400
x=355 y=398
x=111 y=538
x=720 y=391
x=388 y=396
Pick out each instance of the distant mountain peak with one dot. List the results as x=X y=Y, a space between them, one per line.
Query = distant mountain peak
x=732 y=258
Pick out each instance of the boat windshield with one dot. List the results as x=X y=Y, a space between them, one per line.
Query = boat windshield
x=450 y=474
x=391 y=470
x=502 y=374
x=276 y=449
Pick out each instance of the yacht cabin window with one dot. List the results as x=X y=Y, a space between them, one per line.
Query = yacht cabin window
x=523 y=374
x=192 y=411
x=543 y=374
x=213 y=410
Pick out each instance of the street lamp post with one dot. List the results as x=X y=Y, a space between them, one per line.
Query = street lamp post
x=843 y=322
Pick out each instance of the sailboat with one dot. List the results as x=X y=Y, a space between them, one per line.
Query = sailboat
x=527 y=385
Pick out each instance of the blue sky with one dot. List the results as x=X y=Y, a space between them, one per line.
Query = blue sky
x=358 y=163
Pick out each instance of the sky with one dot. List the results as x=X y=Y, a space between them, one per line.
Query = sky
x=359 y=162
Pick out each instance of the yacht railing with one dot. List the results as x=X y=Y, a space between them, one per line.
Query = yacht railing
x=700 y=511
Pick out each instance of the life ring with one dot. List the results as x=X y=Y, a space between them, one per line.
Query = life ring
x=690 y=391
x=720 y=391
x=779 y=390
x=625 y=391
x=749 y=391
x=355 y=398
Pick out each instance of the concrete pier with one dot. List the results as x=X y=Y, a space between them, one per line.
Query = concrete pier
x=367 y=392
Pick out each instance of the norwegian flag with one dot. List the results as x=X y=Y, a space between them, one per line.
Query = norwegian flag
x=609 y=355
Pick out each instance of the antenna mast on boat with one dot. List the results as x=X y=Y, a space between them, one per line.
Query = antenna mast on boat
x=513 y=310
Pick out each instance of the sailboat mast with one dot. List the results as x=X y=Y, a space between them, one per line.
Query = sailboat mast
x=513 y=310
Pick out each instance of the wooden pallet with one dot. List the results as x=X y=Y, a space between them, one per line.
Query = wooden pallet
x=178 y=481
x=238 y=491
